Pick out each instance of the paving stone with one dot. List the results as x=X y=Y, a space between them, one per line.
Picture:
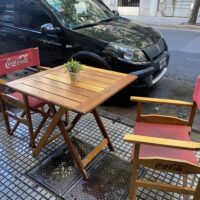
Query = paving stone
x=17 y=160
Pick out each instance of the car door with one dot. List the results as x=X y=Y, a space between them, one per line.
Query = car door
x=32 y=14
x=8 y=32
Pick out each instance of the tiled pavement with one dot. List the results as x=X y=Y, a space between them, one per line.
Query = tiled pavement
x=16 y=160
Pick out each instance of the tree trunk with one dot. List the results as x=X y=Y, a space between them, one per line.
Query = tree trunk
x=194 y=13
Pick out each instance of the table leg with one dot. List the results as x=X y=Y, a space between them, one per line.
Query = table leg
x=102 y=129
x=69 y=143
x=41 y=124
x=67 y=118
x=29 y=121
x=74 y=122
x=57 y=117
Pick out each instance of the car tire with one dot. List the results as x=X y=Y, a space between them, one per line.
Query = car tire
x=91 y=59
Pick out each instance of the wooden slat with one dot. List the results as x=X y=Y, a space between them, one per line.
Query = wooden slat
x=83 y=79
x=101 y=74
x=165 y=187
x=162 y=119
x=178 y=144
x=93 y=77
x=94 y=152
x=110 y=91
x=77 y=84
x=165 y=101
x=56 y=91
x=170 y=165
x=104 y=71
x=46 y=96
x=64 y=86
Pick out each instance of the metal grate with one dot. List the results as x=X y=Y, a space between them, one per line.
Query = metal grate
x=129 y=3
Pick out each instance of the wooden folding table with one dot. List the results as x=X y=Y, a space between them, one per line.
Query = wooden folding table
x=55 y=87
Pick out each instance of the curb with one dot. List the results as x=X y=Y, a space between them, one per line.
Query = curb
x=181 y=26
x=163 y=23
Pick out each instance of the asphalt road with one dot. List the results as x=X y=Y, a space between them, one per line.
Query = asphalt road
x=178 y=83
x=184 y=47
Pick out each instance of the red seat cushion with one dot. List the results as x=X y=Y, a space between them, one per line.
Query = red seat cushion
x=33 y=102
x=174 y=132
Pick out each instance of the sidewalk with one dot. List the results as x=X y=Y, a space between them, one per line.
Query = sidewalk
x=166 y=22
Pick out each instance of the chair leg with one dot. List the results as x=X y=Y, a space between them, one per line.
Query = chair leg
x=17 y=123
x=6 y=119
x=134 y=176
x=185 y=177
x=197 y=193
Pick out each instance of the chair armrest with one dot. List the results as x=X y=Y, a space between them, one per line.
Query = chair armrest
x=155 y=141
x=2 y=82
x=164 y=101
x=42 y=68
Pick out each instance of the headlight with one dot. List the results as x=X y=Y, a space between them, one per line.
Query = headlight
x=127 y=53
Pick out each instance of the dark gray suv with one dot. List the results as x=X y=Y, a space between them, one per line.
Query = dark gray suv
x=85 y=30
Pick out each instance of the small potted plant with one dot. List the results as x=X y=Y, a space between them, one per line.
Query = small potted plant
x=73 y=67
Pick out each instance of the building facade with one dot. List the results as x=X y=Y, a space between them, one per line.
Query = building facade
x=165 y=8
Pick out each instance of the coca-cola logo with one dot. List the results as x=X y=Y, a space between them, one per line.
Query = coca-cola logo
x=14 y=62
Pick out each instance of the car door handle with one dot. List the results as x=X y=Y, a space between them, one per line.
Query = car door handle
x=3 y=33
x=21 y=37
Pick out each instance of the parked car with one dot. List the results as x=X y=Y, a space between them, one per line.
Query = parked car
x=87 y=31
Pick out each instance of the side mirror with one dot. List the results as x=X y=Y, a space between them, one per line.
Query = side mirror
x=115 y=12
x=49 y=29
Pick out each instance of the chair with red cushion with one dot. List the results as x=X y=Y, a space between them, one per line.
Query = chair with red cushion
x=13 y=62
x=163 y=143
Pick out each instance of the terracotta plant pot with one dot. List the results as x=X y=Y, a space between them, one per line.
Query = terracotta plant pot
x=74 y=76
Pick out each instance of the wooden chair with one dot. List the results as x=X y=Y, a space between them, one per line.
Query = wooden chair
x=10 y=63
x=163 y=143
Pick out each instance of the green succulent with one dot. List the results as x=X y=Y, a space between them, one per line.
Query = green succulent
x=73 y=66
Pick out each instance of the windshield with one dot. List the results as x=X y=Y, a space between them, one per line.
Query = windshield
x=79 y=13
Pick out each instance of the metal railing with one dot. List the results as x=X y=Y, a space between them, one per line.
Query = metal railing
x=129 y=3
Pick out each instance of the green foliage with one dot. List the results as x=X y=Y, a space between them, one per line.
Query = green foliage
x=73 y=66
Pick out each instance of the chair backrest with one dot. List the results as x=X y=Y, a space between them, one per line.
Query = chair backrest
x=196 y=94
x=19 y=60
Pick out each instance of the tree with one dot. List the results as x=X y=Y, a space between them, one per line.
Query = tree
x=194 y=13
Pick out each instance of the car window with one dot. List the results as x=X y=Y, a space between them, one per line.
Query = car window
x=7 y=11
x=77 y=13
x=32 y=14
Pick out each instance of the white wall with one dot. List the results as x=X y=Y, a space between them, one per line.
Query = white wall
x=134 y=11
x=178 y=8
x=148 y=7
x=112 y=4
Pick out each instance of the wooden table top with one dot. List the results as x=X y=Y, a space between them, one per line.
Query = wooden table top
x=54 y=86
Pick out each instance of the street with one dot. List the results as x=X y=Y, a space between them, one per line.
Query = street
x=185 y=54
x=178 y=83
